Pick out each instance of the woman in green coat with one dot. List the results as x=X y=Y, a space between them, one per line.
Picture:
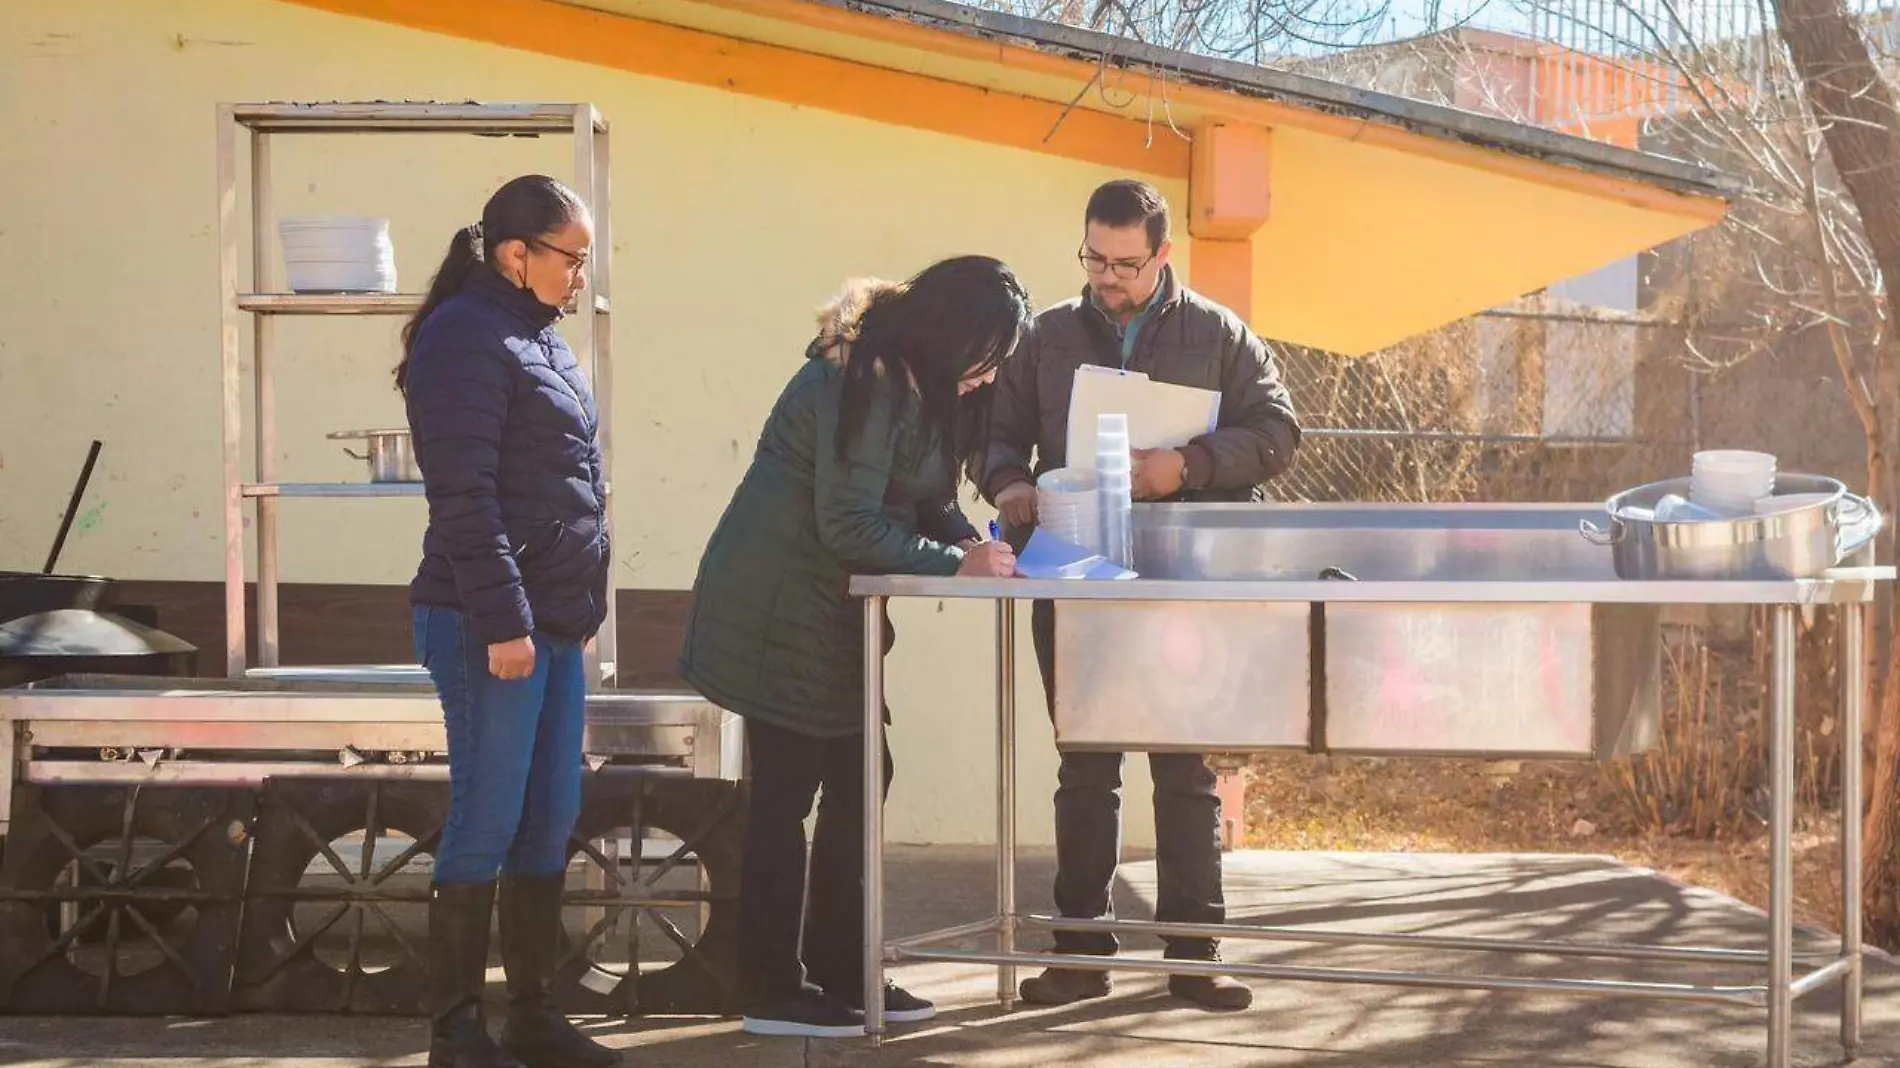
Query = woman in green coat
x=855 y=473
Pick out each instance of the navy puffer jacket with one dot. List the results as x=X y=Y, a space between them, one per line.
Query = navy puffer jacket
x=504 y=427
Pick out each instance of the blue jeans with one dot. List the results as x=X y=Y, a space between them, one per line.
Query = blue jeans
x=514 y=752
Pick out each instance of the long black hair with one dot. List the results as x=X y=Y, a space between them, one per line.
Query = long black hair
x=957 y=319
x=528 y=207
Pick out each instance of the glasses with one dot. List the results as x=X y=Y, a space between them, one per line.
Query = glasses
x=1094 y=263
x=577 y=261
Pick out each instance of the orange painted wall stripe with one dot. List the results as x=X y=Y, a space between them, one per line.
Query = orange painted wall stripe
x=1223 y=271
x=782 y=74
x=790 y=76
x=1238 y=107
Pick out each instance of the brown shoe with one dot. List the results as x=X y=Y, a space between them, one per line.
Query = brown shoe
x=1065 y=986
x=1223 y=993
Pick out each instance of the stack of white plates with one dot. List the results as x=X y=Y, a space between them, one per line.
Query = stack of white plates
x=1068 y=507
x=1728 y=482
x=338 y=254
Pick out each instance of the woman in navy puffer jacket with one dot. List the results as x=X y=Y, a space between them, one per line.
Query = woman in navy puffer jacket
x=512 y=585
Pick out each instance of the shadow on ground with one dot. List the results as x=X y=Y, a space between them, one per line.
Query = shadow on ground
x=1292 y=1023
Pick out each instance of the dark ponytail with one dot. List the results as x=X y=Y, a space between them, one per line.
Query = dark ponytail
x=448 y=280
x=528 y=207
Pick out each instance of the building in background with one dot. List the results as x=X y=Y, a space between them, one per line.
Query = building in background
x=766 y=150
x=1661 y=346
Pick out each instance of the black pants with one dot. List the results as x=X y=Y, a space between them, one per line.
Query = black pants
x=1088 y=831
x=774 y=907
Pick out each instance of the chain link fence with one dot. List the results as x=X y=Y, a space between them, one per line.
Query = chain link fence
x=1489 y=409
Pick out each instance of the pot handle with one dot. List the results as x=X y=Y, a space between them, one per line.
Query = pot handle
x=354 y=455
x=1597 y=535
x=1855 y=510
x=1860 y=524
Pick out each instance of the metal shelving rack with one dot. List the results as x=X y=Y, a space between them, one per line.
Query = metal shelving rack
x=263 y=305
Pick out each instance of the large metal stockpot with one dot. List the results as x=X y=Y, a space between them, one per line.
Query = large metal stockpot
x=1800 y=542
x=391 y=455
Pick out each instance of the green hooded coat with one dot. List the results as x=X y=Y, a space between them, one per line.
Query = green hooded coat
x=773 y=632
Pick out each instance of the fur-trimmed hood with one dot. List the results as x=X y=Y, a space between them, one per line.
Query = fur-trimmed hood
x=839 y=317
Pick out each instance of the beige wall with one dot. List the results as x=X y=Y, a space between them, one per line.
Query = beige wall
x=732 y=218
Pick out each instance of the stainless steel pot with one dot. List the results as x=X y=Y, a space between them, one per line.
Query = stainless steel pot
x=391 y=455
x=1799 y=543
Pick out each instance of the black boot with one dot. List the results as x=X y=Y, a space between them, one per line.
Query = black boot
x=1222 y=993
x=535 y=1031
x=458 y=969
x=1065 y=986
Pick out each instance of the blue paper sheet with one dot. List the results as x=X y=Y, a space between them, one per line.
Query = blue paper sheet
x=1046 y=556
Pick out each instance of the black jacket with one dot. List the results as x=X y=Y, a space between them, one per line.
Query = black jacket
x=1186 y=340
x=504 y=425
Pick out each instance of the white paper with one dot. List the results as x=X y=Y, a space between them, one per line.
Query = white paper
x=1160 y=415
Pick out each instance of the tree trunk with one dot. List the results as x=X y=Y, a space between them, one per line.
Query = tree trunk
x=1855 y=108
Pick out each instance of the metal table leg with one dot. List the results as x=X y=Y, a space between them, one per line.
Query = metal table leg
x=10 y=762
x=1780 y=853
x=1006 y=799
x=1853 y=693
x=874 y=819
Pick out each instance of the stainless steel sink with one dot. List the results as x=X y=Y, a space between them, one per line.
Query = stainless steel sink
x=1572 y=681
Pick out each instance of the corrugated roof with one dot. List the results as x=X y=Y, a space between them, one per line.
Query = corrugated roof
x=1304 y=91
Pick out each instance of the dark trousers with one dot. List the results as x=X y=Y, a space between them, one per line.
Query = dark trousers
x=1088 y=831
x=788 y=769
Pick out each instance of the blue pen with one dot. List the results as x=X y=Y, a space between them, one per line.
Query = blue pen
x=994 y=534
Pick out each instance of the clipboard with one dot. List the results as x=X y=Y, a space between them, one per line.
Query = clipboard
x=1160 y=415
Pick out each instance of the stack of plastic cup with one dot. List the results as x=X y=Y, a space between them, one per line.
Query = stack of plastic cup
x=1114 y=484
x=1728 y=482
x=1067 y=507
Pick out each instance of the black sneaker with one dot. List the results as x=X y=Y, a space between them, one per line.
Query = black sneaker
x=807 y=1014
x=900 y=1005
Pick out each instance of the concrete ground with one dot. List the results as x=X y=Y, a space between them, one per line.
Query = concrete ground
x=1292 y=1023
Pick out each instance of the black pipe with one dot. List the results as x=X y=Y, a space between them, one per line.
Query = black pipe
x=1317 y=711
x=72 y=506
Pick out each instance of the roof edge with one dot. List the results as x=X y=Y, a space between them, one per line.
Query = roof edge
x=1308 y=92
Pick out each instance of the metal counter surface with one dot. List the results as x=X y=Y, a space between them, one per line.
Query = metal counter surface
x=1845 y=586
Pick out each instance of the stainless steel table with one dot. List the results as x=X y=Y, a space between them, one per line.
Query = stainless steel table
x=1847 y=591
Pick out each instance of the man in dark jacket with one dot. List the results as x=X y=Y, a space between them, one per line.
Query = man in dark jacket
x=1135 y=315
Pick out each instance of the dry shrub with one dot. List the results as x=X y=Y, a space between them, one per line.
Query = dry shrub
x=1708 y=777
x=1703 y=779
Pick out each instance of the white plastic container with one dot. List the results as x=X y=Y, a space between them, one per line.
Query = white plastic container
x=1728 y=482
x=1068 y=508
